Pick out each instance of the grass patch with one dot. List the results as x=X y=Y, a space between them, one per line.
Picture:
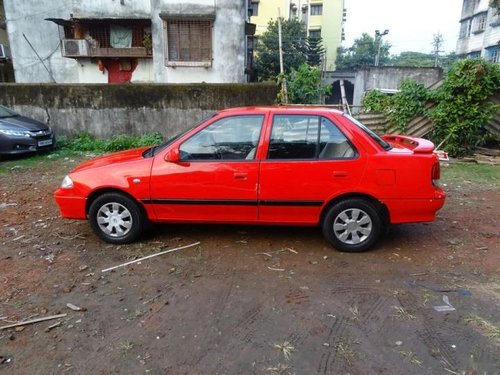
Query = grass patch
x=88 y=143
x=481 y=175
x=345 y=350
x=83 y=146
x=402 y=314
x=410 y=357
x=482 y=325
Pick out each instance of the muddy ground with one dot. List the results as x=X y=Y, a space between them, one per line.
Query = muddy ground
x=225 y=307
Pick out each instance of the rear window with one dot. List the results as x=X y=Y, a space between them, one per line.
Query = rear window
x=370 y=133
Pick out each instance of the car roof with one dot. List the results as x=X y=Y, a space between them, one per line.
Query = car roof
x=280 y=108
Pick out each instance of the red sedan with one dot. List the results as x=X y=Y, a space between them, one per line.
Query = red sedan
x=262 y=165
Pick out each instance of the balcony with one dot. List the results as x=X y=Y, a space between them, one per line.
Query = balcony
x=129 y=38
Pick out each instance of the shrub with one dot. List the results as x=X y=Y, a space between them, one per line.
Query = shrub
x=463 y=108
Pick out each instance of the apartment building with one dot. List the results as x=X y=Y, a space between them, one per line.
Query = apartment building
x=95 y=41
x=321 y=18
x=479 y=31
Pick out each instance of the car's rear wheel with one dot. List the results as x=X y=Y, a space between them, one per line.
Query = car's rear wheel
x=352 y=225
x=116 y=218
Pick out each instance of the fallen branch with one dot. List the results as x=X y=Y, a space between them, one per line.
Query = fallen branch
x=53 y=326
x=33 y=321
x=150 y=256
x=276 y=269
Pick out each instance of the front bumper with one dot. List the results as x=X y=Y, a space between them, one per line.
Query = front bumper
x=14 y=145
x=70 y=207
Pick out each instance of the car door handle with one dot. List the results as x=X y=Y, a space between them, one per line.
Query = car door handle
x=240 y=176
x=340 y=174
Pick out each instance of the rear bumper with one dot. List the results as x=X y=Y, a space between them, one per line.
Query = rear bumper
x=415 y=210
x=70 y=207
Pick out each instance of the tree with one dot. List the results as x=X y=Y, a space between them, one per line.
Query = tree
x=362 y=53
x=305 y=86
x=495 y=4
x=294 y=41
x=315 y=51
x=422 y=60
x=413 y=59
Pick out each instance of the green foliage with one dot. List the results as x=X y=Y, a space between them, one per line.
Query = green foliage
x=362 y=53
x=304 y=85
x=423 y=60
x=315 y=51
x=463 y=106
x=495 y=4
x=409 y=102
x=294 y=39
x=85 y=142
x=376 y=101
x=463 y=109
x=413 y=59
x=400 y=108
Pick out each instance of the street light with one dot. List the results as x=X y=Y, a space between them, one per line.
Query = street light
x=379 y=35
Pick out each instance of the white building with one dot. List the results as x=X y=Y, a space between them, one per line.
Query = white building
x=95 y=41
x=479 y=31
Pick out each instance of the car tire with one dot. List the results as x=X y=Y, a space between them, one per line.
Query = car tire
x=352 y=225
x=116 y=218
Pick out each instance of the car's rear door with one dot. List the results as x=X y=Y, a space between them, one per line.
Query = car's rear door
x=308 y=160
x=217 y=176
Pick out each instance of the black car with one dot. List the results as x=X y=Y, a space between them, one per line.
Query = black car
x=20 y=134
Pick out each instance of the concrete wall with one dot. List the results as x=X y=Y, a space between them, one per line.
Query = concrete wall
x=27 y=17
x=390 y=78
x=105 y=110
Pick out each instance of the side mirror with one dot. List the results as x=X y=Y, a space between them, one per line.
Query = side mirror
x=173 y=155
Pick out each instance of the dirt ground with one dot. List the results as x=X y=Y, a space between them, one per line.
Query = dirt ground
x=247 y=300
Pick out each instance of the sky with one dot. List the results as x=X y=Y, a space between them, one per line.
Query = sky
x=411 y=24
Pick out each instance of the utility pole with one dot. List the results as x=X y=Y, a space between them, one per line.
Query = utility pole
x=282 y=70
x=378 y=37
x=437 y=43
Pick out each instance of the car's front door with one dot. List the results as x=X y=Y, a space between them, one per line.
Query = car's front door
x=309 y=160
x=217 y=175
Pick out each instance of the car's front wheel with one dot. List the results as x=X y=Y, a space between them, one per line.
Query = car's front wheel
x=116 y=218
x=352 y=225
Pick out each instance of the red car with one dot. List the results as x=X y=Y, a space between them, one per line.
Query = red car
x=262 y=165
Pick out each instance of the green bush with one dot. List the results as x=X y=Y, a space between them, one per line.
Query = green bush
x=463 y=107
x=376 y=101
x=85 y=142
x=408 y=103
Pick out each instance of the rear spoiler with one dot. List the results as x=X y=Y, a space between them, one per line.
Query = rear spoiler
x=417 y=145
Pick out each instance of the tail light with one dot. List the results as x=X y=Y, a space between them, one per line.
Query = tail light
x=435 y=173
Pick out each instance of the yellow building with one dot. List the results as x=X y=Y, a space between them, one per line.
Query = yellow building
x=323 y=18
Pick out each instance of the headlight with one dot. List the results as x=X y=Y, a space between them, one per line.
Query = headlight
x=17 y=133
x=67 y=183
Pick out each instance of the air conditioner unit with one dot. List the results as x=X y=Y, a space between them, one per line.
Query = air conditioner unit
x=75 y=48
x=4 y=52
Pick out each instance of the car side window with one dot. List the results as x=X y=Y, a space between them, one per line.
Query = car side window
x=230 y=138
x=294 y=137
x=333 y=143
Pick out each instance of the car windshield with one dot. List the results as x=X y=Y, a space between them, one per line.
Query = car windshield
x=156 y=149
x=5 y=112
x=371 y=134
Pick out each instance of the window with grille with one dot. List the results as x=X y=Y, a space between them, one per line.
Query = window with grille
x=465 y=28
x=188 y=42
x=315 y=34
x=316 y=9
x=480 y=22
x=493 y=54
